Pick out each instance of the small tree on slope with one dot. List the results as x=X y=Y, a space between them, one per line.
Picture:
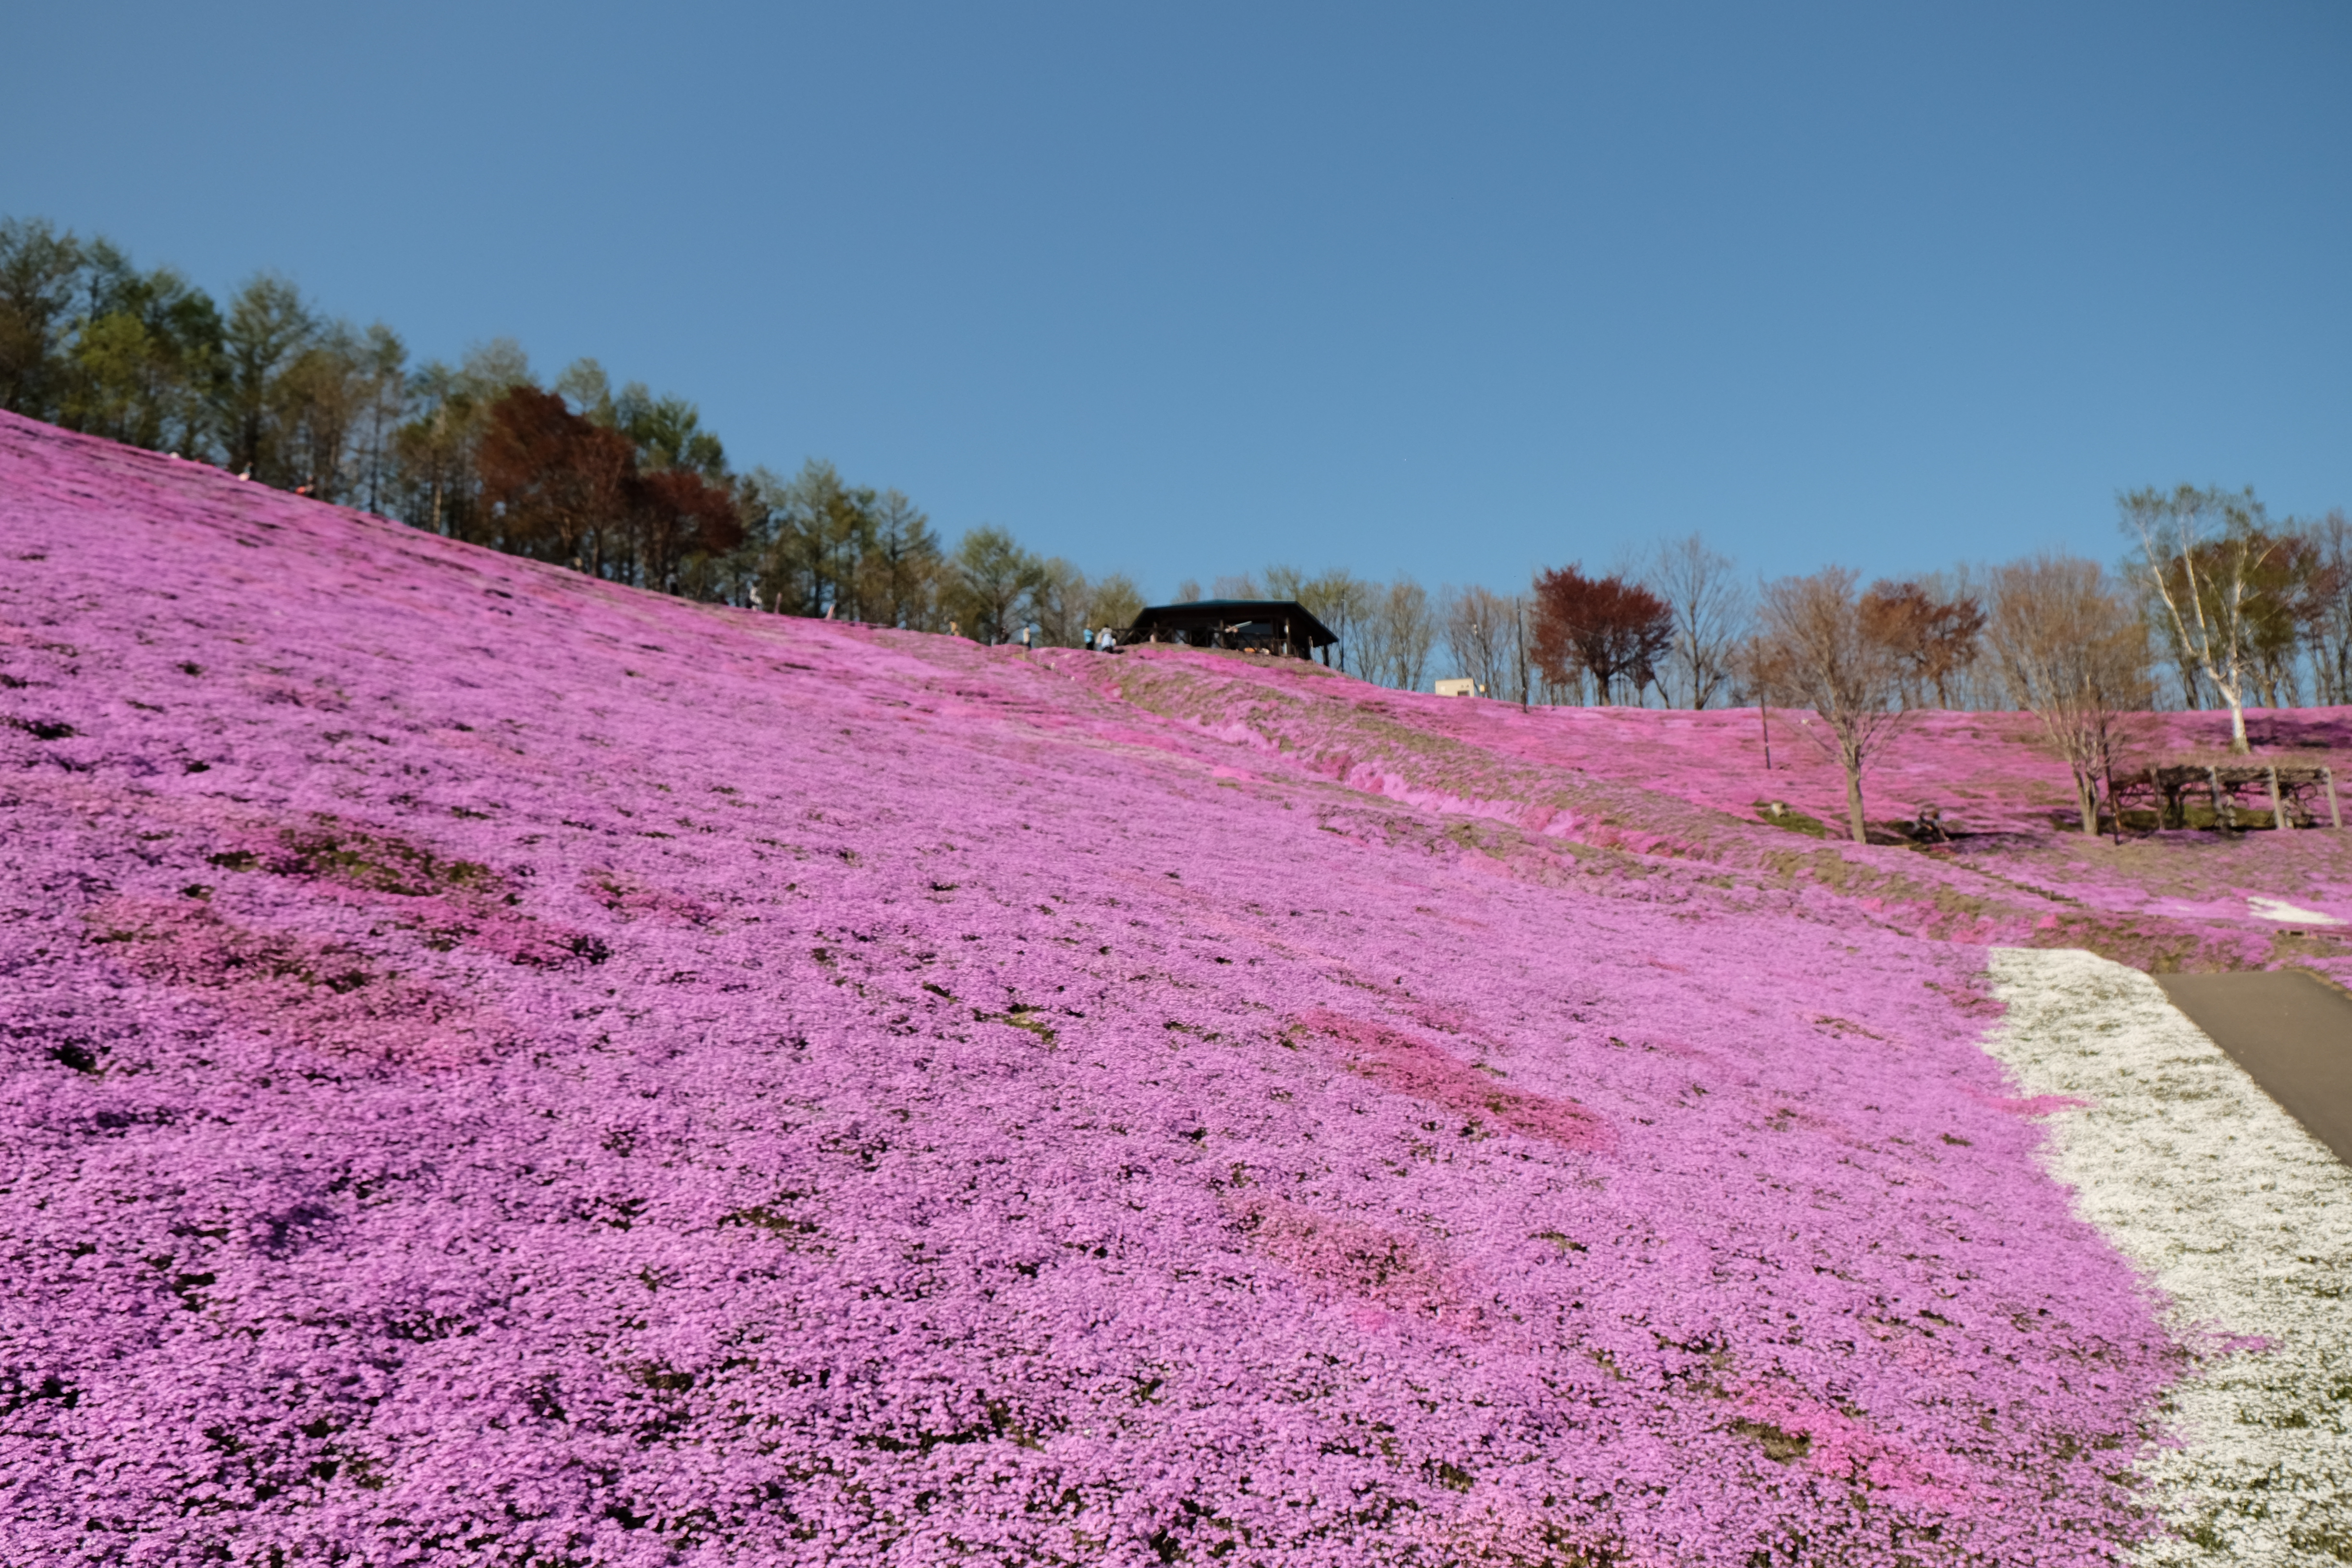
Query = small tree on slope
x=2075 y=652
x=1814 y=651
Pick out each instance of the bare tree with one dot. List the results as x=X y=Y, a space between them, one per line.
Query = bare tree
x=2073 y=648
x=1343 y=603
x=1520 y=652
x=1479 y=625
x=384 y=397
x=1710 y=609
x=1812 y=650
x=2202 y=554
x=2329 y=626
x=2293 y=594
x=1069 y=605
x=1284 y=582
x=1402 y=632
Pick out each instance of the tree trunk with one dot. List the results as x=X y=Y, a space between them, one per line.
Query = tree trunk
x=2238 y=741
x=2087 y=795
x=1854 y=802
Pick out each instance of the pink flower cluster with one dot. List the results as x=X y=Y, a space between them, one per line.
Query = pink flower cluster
x=502 y=1068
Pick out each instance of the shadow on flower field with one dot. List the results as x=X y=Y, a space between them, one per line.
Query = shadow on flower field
x=506 y=1069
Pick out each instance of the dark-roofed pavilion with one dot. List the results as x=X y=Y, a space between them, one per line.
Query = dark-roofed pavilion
x=1281 y=626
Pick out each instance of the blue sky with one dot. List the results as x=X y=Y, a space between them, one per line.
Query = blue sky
x=1457 y=290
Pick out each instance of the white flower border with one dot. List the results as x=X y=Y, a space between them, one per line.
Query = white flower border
x=2240 y=1217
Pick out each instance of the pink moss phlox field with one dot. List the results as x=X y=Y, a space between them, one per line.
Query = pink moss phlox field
x=1674 y=783
x=1419 y=1071
x=504 y=1069
x=1833 y=1443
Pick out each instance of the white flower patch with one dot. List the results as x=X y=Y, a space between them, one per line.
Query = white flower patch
x=2241 y=1218
x=2279 y=910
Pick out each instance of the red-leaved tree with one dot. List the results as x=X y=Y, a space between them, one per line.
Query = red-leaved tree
x=559 y=484
x=566 y=487
x=679 y=513
x=1604 y=626
x=1932 y=638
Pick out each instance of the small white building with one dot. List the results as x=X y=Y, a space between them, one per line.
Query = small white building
x=1463 y=688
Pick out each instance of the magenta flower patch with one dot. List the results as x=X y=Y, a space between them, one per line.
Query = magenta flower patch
x=1421 y=1071
x=500 y=1068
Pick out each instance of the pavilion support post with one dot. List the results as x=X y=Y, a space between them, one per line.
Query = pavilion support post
x=2224 y=810
x=2278 y=802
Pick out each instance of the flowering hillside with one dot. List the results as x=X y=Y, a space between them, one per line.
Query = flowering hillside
x=504 y=1069
x=2016 y=870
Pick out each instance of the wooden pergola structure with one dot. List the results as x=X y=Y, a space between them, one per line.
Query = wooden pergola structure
x=2290 y=792
x=1279 y=627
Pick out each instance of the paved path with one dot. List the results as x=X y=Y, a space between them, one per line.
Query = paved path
x=2293 y=1034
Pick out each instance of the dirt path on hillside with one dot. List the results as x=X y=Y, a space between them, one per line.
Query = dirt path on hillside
x=2291 y=1033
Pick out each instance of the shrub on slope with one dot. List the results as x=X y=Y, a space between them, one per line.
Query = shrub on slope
x=870 y=1099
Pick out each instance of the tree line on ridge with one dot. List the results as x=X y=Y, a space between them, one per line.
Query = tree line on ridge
x=2218 y=605
x=620 y=484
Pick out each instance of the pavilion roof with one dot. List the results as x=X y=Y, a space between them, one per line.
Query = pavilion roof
x=1229 y=613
